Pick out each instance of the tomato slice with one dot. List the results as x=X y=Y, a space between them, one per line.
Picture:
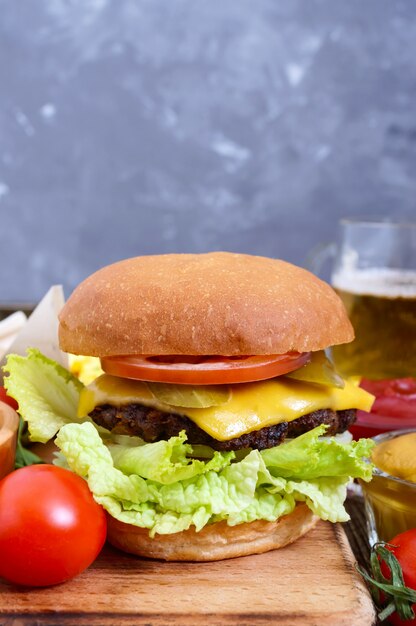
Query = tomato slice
x=203 y=370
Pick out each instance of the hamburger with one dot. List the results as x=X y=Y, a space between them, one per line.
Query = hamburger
x=219 y=426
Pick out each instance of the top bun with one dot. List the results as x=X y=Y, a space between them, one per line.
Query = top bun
x=218 y=303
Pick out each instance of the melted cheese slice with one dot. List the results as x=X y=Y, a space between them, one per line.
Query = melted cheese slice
x=251 y=405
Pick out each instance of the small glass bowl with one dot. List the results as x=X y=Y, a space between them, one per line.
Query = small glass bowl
x=390 y=502
x=9 y=424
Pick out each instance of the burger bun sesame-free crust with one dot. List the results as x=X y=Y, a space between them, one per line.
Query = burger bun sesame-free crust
x=218 y=303
x=215 y=541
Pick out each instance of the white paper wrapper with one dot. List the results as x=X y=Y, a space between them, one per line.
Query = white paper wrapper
x=39 y=331
x=9 y=329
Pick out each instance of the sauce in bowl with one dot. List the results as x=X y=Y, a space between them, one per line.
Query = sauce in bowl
x=397 y=456
x=390 y=498
x=9 y=423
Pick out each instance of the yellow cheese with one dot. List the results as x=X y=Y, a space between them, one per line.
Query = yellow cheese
x=86 y=368
x=251 y=405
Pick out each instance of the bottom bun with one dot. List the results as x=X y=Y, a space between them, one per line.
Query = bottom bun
x=215 y=541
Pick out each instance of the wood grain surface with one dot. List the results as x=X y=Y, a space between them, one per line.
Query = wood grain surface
x=313 y=582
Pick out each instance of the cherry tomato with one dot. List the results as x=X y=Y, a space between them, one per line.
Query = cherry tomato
x=396 y=621
x=203 y=370
x=51 y=528
x=7 y=399
x=403 y=547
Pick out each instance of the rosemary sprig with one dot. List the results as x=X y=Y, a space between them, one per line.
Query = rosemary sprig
x=396 y=597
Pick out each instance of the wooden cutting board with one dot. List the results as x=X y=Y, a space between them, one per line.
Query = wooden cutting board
x=310 y=583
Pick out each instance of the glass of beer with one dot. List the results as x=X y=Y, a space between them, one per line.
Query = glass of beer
x=375 y=275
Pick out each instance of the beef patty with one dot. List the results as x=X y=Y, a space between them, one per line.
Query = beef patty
x=153 y=425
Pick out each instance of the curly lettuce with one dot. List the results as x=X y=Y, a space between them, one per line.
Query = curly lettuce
x=46 y=392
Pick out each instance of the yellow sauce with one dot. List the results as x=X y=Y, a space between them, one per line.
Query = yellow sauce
x=397 y=457
x=392 y=503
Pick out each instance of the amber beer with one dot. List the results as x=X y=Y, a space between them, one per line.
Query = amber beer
x=381 y=304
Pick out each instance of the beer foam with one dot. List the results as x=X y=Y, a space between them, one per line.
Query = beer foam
x=390 y=283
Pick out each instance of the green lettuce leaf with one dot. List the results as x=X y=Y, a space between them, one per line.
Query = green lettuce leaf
x=166 y=461
x=324 y=496
x=161 y=488
x=308 y=457
x=46 y=392
x=229 y=493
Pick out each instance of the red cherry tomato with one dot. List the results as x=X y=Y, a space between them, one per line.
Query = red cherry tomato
x=7 y=399
x=396 y=621
x=51 y=528
x=203 y=370
x=403 y=547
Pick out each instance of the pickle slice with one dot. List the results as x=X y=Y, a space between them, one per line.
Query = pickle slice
x=319 y=370
x=190 y=396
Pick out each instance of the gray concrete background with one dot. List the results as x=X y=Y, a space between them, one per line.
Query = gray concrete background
x=144 y=126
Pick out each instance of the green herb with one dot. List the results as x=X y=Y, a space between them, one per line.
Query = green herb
x=396 y=597
x=24 y=456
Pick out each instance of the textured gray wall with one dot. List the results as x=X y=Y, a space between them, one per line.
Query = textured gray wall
x=139 y=126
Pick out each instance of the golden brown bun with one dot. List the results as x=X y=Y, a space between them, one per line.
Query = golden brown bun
x=215 y=541
x=216 y=303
